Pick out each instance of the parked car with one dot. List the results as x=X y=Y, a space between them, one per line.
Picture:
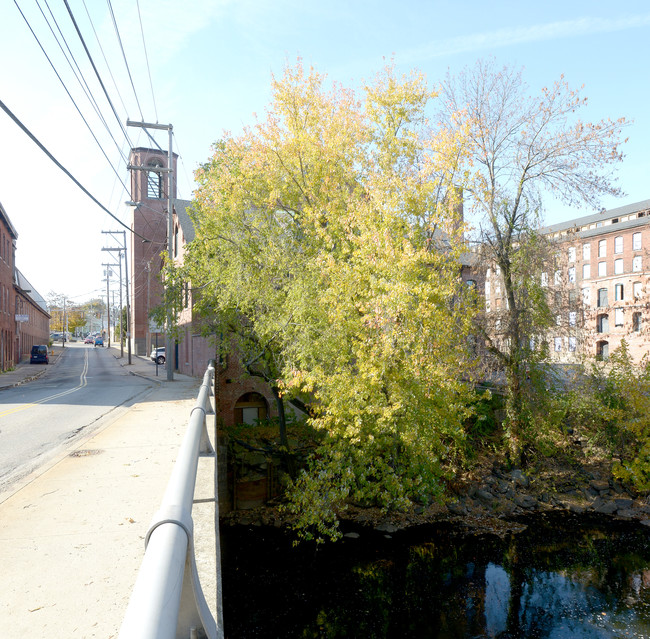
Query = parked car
x=89 y=340
x=99 y=341
x=158 y=354
x=39 y=354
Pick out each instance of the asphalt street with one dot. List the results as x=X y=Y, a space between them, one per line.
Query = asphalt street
x=72 y=531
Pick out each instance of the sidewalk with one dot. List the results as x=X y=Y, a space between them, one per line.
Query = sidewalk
x=72 y=537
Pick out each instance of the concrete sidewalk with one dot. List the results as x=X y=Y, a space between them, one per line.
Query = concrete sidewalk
x=72 y=536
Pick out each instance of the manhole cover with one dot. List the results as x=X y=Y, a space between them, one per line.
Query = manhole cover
x=85 y=453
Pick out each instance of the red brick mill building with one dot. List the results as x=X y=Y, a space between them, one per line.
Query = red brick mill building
x=24 y=319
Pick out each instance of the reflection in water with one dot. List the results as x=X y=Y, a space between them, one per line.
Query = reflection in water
x=563 y=578
x=497 y=600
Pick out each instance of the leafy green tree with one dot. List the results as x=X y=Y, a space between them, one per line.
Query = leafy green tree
x=327 y=250
x=518 y=148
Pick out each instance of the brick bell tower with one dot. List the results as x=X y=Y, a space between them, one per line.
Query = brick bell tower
x=149 y=192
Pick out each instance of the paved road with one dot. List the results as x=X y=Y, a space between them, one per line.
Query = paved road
x=71 y=399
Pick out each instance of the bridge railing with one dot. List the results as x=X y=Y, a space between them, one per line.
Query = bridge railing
x=167 y=601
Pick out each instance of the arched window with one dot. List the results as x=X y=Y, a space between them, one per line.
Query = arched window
x=250 y=408
x=155 y=181
x=602 y=350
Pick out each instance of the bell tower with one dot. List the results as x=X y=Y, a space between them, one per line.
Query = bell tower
x=149 y=193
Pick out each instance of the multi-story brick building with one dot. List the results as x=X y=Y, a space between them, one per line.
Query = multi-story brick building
x=604 y=263
x=598 y=282
x=24 y=319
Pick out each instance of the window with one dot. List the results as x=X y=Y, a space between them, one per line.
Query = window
x=249 y=408
x=558 y=344
x=636 y=290
x=586 y=252
x=155 y=181
x=572 y=344
x=602 y=248
x=636 y=263
x=618 y=317
x=586 y=296
x=572 y=274
x=618 y=244
x=602 y=297
x=602 y=324
x=557 y=279
x=618 y=266
x=471 y=284
x=497 y=287
x=602 y=350
x=636 y=322
x=544 y=279
x=558 y=320
x=636 y=241
x=586 y=271
x=618 y=292
x=602 y=269
x=487 y=289
x=572 y=254
x=572 y=318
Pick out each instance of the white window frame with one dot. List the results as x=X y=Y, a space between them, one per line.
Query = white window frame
x=558 y=344
x=602 y=269
x=636 y=242
x=586 y=252
x=586 y=271
x=572 y=274
x=619 y=318
x=572 y=254
x=572 y=344
x=618 y=244
x=637 y=264
x=618 y=266
x=602 y=248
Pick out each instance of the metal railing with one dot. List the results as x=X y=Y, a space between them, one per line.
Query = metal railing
x=167 y=600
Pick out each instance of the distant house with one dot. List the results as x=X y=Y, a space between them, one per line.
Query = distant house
x=24 y=319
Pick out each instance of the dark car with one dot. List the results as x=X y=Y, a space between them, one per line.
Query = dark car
x=158 y=354
x=39 y=354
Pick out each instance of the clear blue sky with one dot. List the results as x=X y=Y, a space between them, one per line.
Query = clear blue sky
x=211 y=63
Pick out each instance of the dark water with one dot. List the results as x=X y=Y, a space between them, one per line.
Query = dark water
x=565 y=577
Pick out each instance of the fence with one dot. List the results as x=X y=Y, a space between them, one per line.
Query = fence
x=167 y=600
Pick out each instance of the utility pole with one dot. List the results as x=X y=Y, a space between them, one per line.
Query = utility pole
x=108 y=301
x=121 y=249
x=170 y=228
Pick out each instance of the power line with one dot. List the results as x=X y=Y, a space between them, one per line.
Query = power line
x=128 y=70
x=146 y=57
x=68 y=92
x=33 y=138
x=83 y=42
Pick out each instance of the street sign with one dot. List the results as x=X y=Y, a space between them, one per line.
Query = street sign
x=155 y=328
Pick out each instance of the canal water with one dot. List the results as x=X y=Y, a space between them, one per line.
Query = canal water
x=564 y=577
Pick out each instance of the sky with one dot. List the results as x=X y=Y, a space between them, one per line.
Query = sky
x=206 y=66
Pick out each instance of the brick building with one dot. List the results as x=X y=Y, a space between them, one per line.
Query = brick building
x=604 y=262
x=24 y=319
x=149 y=193
x=599 y=276
x=240 y=397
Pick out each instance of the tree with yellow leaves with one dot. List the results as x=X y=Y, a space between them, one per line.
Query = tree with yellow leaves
x=327 y=250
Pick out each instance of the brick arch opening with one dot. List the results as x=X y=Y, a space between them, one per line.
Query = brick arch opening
x=249 y=408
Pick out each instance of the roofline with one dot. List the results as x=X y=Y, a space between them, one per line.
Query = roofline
x=7 y=221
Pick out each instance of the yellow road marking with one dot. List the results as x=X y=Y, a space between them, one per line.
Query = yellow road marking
x=83 y=381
